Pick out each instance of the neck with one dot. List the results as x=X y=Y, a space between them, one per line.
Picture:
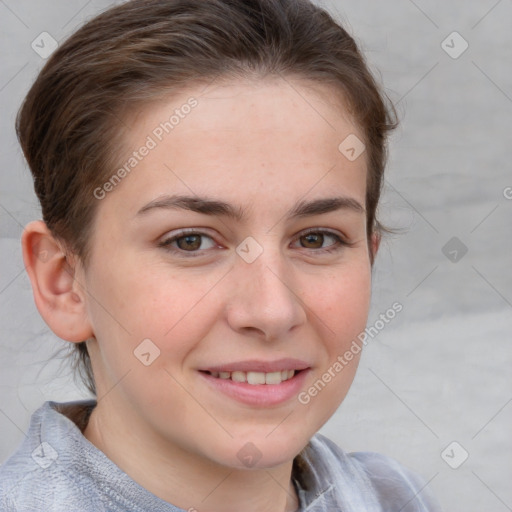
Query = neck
x=184 y=479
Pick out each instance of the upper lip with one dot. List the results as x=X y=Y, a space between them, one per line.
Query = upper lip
x=259 y=366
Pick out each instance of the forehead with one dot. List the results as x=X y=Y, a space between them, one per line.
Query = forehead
x=257 y=105
x=276 y=134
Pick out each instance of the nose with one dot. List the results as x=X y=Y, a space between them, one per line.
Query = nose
x=266 y=302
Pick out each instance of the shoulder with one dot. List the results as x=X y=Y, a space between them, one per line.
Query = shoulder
x=36 y=476
x=393 y=486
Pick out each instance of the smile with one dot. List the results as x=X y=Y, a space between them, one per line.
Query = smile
x=256 y=378
x=258 y=383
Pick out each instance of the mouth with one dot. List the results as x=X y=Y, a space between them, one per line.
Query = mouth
x=256 y=378
x=258 y=383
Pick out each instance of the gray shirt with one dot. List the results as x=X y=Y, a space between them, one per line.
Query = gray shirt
x=56 y=469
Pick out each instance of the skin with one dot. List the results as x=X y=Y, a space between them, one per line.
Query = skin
x=260 y=145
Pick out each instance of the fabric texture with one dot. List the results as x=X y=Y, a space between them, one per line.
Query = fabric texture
x=56 y=469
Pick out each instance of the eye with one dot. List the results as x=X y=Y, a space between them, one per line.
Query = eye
x=187 y=241
x=191 y=242
x=315 y=239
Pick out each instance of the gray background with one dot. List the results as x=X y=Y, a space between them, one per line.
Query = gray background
x=440 y=371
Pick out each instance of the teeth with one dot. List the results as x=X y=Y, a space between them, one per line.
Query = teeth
x=273 y=378
x=239 y=376
x=256 y=378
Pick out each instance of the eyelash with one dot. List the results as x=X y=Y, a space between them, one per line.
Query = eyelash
x=165 y=244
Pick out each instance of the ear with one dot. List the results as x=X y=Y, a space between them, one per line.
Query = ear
x=59 y=297
x=374 y=245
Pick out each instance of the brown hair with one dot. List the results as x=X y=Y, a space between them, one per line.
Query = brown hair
x=71 y=127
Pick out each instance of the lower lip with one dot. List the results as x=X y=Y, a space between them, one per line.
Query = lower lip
x=261 y=395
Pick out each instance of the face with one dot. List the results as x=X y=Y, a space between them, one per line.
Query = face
x=219 y=316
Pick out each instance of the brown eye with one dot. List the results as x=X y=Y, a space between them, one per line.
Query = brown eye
x=313 y=240
x=193 y=243
x=189 y=242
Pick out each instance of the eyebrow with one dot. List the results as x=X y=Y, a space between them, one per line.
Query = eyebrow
x=208 y=206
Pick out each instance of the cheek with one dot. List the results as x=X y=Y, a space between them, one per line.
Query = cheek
x=342 y=308
x=342 y=302
x=172 y=309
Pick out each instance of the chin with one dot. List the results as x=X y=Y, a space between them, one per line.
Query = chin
x=260 y=452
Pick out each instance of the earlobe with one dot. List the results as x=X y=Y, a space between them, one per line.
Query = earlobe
x=59 y=297
x=374 y=245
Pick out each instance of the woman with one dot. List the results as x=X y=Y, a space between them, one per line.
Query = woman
x=209 y=174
